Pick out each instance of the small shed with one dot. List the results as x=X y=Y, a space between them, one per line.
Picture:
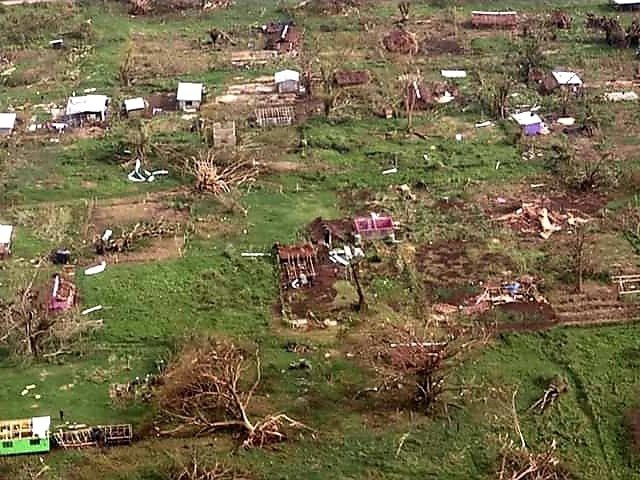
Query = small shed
x=374 y=227
x=494 y=19
x=7 y=124
x=275 y=116
x=134 y=106
x=6 y=234
x=287 y=81
x=63 y=294
x=530 y=122
x=87 y=109
x=57 y=44
x=189 y=96
x=567 y=80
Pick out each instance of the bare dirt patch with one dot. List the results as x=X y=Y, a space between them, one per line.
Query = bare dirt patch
x=167 y=55
x=152 y=250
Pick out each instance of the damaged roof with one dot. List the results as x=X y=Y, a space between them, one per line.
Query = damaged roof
x=189 y=92
x=566 y=78
x=7 y=121
x=526 y=118
x=87 y=104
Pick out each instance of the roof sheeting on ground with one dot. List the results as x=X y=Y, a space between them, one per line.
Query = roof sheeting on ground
x=453 y=73
x=5 y=234
x=567 y=78
x=480 y=12
x=133 y=104
x=189 y=92
x=625 y=2
x=7 y=121
x=286 y=76
x=87 y=104
x=526 y=118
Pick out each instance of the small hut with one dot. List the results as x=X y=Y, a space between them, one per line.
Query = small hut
x=134 y=107
x=567 y=80
x=63 y=294
x=86 y=110
x=287 y=81
x=530 y=122
x=374 y=227
x=189 y=96
x=284 y=38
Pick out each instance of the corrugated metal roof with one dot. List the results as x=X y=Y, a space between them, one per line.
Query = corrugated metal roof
x=7 y=121
x=87 y=104
x=526 y=118
x=453 y=73
x=132 y=104
x=189 y=92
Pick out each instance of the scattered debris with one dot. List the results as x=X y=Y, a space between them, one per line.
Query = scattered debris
x=551 y=394
x=453 y=73
x=298 y=264
x=127 y=238
x=621 y=96
x=348 y=78
x=96 y=269
x=140 y=175
x=63 y=294
x=91 y=310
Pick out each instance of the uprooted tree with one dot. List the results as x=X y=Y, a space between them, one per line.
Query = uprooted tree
x=213 y=175
x=210 y=387
x=404 y=359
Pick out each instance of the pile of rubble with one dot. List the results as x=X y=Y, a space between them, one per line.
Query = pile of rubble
x=535 y=218
x=401 y=41
x=522 y=290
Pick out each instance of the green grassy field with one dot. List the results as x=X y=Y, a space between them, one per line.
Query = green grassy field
x=50 y=192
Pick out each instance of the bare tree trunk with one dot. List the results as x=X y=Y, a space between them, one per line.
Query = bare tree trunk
x=362 y=303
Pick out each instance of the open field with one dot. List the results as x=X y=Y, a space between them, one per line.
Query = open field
x=469 y=205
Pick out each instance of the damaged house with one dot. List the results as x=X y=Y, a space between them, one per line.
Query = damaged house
x=6 y=233
x=348 y=78
x=570 y=81
x=7 y=124
x=63 y=294
x=274 y=116
x=87 y=109
x=284 y=38
x=374 y=227
x=297 y=263
x=484 y=19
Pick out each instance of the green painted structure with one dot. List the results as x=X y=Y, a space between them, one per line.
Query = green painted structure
x=21 y=437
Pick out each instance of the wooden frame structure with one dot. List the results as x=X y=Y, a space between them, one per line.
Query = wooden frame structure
x=298 y=264
x=102 y=435
x=275 y=116
x=627 y=284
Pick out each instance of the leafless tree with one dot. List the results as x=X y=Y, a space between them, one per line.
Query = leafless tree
x=210 y=387
x=126 y=69
x=493 y=96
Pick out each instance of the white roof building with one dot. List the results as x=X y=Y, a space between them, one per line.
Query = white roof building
x=87 y=104
x=7 y=121
x=567 y=78
x=189 y=92
x=526 y=118
x=453 y=73
x=133 y=104
x=5 y=234
x=286 y=76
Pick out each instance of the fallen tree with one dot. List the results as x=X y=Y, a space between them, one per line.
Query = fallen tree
x=218 y=178
x=210 y=387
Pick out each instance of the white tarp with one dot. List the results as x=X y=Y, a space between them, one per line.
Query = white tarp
x=189 y=92
x=5 y=234
x=287 y=75
x=621 y=96
x=453 y=73
x=7 y=121
x=133 y=104
x=87 y=104
x=526 y=118
x=40 y=426
x=567 y=78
